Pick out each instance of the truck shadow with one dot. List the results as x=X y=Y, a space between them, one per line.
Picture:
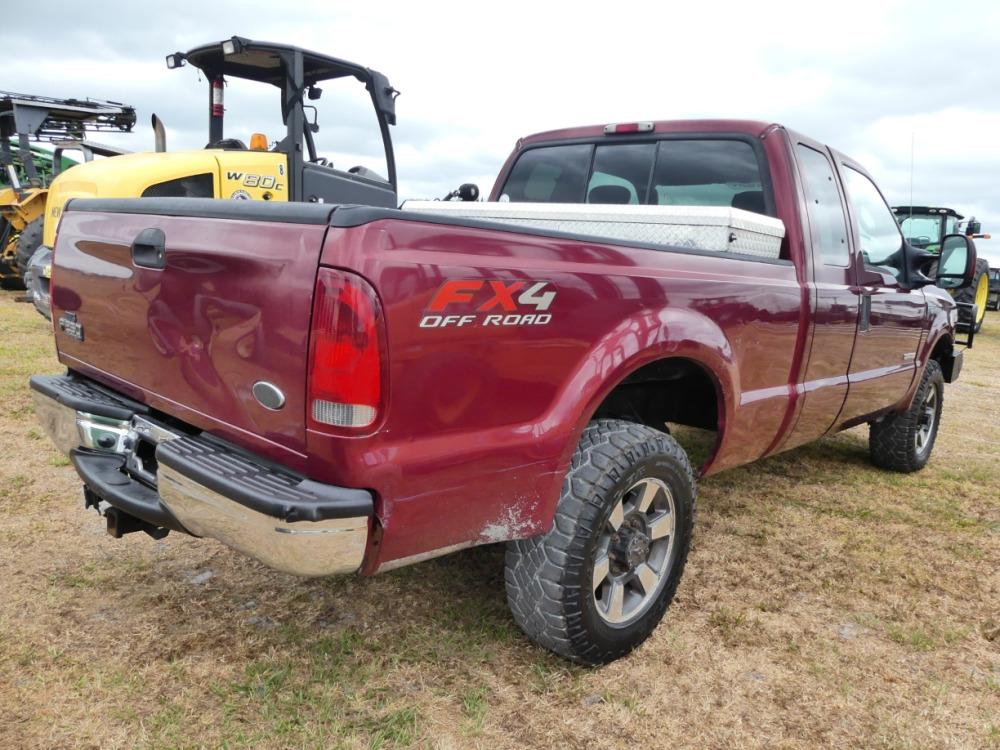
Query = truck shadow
x=454 y=608
x=448 y=611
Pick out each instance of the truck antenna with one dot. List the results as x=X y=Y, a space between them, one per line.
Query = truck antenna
x=912 y=140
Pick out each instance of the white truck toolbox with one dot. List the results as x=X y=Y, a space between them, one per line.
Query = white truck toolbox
x=710 y=228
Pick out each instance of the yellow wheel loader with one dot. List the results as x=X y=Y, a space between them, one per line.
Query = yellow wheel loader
x=289 y=169
x=26 y=169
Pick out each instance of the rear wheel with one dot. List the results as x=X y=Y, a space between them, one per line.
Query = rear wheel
x=978 y=292
x=597 y=584
x=903 y=442
x=27 y=243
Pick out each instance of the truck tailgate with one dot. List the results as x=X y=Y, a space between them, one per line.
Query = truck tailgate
x=230 y=307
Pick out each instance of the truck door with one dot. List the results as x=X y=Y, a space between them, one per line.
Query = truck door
x=891 y=319
x=834 y=301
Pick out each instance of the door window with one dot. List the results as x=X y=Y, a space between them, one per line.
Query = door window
x=826 y=213
x=880 y=242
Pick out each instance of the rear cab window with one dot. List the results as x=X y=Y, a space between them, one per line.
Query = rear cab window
x=557 y=174
x=686 y=171
x=676 y=170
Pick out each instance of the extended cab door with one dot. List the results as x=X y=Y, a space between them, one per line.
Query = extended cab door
x=834 y=299
x=892 y=318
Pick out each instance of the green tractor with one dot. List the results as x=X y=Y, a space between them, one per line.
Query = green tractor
x=27 y=168
x=925 y=227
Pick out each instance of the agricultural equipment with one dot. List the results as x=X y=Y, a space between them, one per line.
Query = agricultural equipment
x=925 y=227
x=290 y=169
x=28 y=169
x=994 y=299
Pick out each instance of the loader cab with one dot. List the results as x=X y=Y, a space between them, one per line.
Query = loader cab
x=308 y=176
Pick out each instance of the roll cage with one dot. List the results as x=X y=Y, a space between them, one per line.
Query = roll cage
x=295 y=71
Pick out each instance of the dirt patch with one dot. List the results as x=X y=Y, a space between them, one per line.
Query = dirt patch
x=825 y=603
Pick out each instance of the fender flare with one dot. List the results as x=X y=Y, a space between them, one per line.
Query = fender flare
x=644 y=338
x=939 y=330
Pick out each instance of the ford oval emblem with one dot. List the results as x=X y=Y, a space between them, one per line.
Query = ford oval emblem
x=268 y=395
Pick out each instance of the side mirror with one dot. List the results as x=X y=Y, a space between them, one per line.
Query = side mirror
x=957 y=265
x=974 y=227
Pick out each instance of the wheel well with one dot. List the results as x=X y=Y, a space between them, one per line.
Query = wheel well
x=942 y=349
x=669 y=390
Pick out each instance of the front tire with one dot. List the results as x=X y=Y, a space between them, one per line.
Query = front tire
x=903 y=442
x=596 y=585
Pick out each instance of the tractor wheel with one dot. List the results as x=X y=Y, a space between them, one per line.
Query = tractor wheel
x=978 y=292
x=8 y=267
x=27 y=243
x=11 y=283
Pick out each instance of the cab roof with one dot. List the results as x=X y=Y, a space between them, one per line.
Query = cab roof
x=934 y=210
x=262 y=61
x=750 y=127
x=268 y=62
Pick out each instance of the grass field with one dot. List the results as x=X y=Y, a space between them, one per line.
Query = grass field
x=825 y=603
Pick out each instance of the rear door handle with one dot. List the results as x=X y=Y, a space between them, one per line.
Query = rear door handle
x=149 y=248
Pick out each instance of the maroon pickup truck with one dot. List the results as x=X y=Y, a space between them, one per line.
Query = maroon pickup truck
x=334 y=389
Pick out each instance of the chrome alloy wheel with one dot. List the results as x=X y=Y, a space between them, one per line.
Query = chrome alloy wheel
x=634 y=552
x=926 y=420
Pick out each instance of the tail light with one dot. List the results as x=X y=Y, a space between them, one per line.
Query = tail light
x=345 y=353
x=619 y=128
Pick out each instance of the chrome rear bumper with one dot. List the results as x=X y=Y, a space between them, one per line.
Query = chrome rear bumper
x=199 y=485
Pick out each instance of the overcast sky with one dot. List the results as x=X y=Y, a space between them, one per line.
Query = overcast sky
x=869 y=78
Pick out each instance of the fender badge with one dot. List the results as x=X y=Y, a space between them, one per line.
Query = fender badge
x=69 y=325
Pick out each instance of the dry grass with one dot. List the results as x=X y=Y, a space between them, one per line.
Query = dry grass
x=825 y=604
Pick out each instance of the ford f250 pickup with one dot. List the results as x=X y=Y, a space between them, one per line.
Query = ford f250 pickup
x=334 y=389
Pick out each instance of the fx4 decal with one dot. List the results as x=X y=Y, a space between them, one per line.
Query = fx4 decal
x=490 y=303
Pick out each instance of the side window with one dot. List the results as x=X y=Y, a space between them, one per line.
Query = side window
x=621 y=173
x=878 y=233
x=707 y=172
x=557 y=174
x=826 y=213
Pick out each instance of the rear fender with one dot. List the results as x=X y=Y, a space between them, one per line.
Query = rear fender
x=646 y=337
